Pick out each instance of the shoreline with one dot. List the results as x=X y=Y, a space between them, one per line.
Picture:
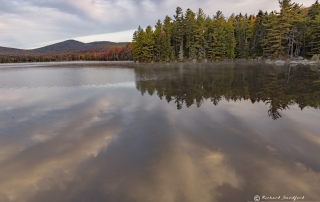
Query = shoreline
x=39 y=64
x=243 y=61
x=276 y=62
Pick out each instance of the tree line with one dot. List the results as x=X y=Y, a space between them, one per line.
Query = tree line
x=292 y=32
x=113 y=54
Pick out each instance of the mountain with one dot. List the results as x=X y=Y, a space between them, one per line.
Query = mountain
x=14 y=51
x=63 y=47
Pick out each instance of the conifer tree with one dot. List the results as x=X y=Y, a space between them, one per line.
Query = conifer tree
x=294 y=36
x=167 y=34
x=230 y=39
x=314 y=10
x=241 y=30
x=178 y=33
x=314 y=29
x=158 y=41
x=259 y=33
x=218 y=49
x=148 y=45
x=199 y=33
x=315 y=39
x=272 y=43
x=190 y=27
x=284 y=25
x=137 y=44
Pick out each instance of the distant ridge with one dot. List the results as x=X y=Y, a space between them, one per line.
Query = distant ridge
x=63 y=47
x=14 y=51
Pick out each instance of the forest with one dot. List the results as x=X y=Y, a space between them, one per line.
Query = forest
x=292 y=32
x=112 y=54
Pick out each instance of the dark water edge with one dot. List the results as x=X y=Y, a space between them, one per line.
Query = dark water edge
x=64 y=64
x=179 y=132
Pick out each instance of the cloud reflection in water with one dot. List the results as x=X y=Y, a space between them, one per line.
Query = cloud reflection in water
x=112 y=144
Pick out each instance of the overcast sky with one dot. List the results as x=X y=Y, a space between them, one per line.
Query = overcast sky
x=35 y=23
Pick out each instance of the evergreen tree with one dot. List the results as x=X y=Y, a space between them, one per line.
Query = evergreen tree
x=168 y=50
x=230 y=38
x=241 y=31
x=272 y=43
x=178 y=33
x=294 y=36
x=258 y=35
x=137 y=44
x=148 y=45
x=315 y=39
x=314 y=10
x=218 y=46
x=314 y=29
x=285 y=21
x=158 y=42
x=199 y=33
x=190 y=28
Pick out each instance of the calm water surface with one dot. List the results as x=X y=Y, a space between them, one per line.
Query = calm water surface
x=101 y=132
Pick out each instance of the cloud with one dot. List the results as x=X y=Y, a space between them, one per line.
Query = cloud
x=32 y=23
x=115 y=37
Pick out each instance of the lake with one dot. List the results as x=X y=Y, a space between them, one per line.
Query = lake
x=214 y=132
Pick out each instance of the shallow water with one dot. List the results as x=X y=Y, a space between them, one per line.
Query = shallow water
x=181 y=132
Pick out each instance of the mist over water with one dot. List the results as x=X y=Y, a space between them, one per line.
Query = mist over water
x=179 y=132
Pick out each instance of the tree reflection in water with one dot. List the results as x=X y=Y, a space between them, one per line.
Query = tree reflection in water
x=191 y=84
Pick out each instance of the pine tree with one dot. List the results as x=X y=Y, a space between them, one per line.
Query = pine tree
x=315 y=39
x=294 y=36
x=158 y=41
x=258 y=35
x=230 y=39
x=167 y=34
x=314 y=29
x=199 y=32
x=137 y=44
x=314 y=10
x=218 y=48
x=285 y=21
x=178 y=33
x=241 y=34
x=279 y=29
x=148 y=45
x=272 y=43
x=190 y=27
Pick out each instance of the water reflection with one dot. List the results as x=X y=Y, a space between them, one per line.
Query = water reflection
x=64 y=76
x=277 y=87
x=99 y=142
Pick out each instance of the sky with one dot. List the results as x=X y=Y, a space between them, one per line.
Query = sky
x=30 y=24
